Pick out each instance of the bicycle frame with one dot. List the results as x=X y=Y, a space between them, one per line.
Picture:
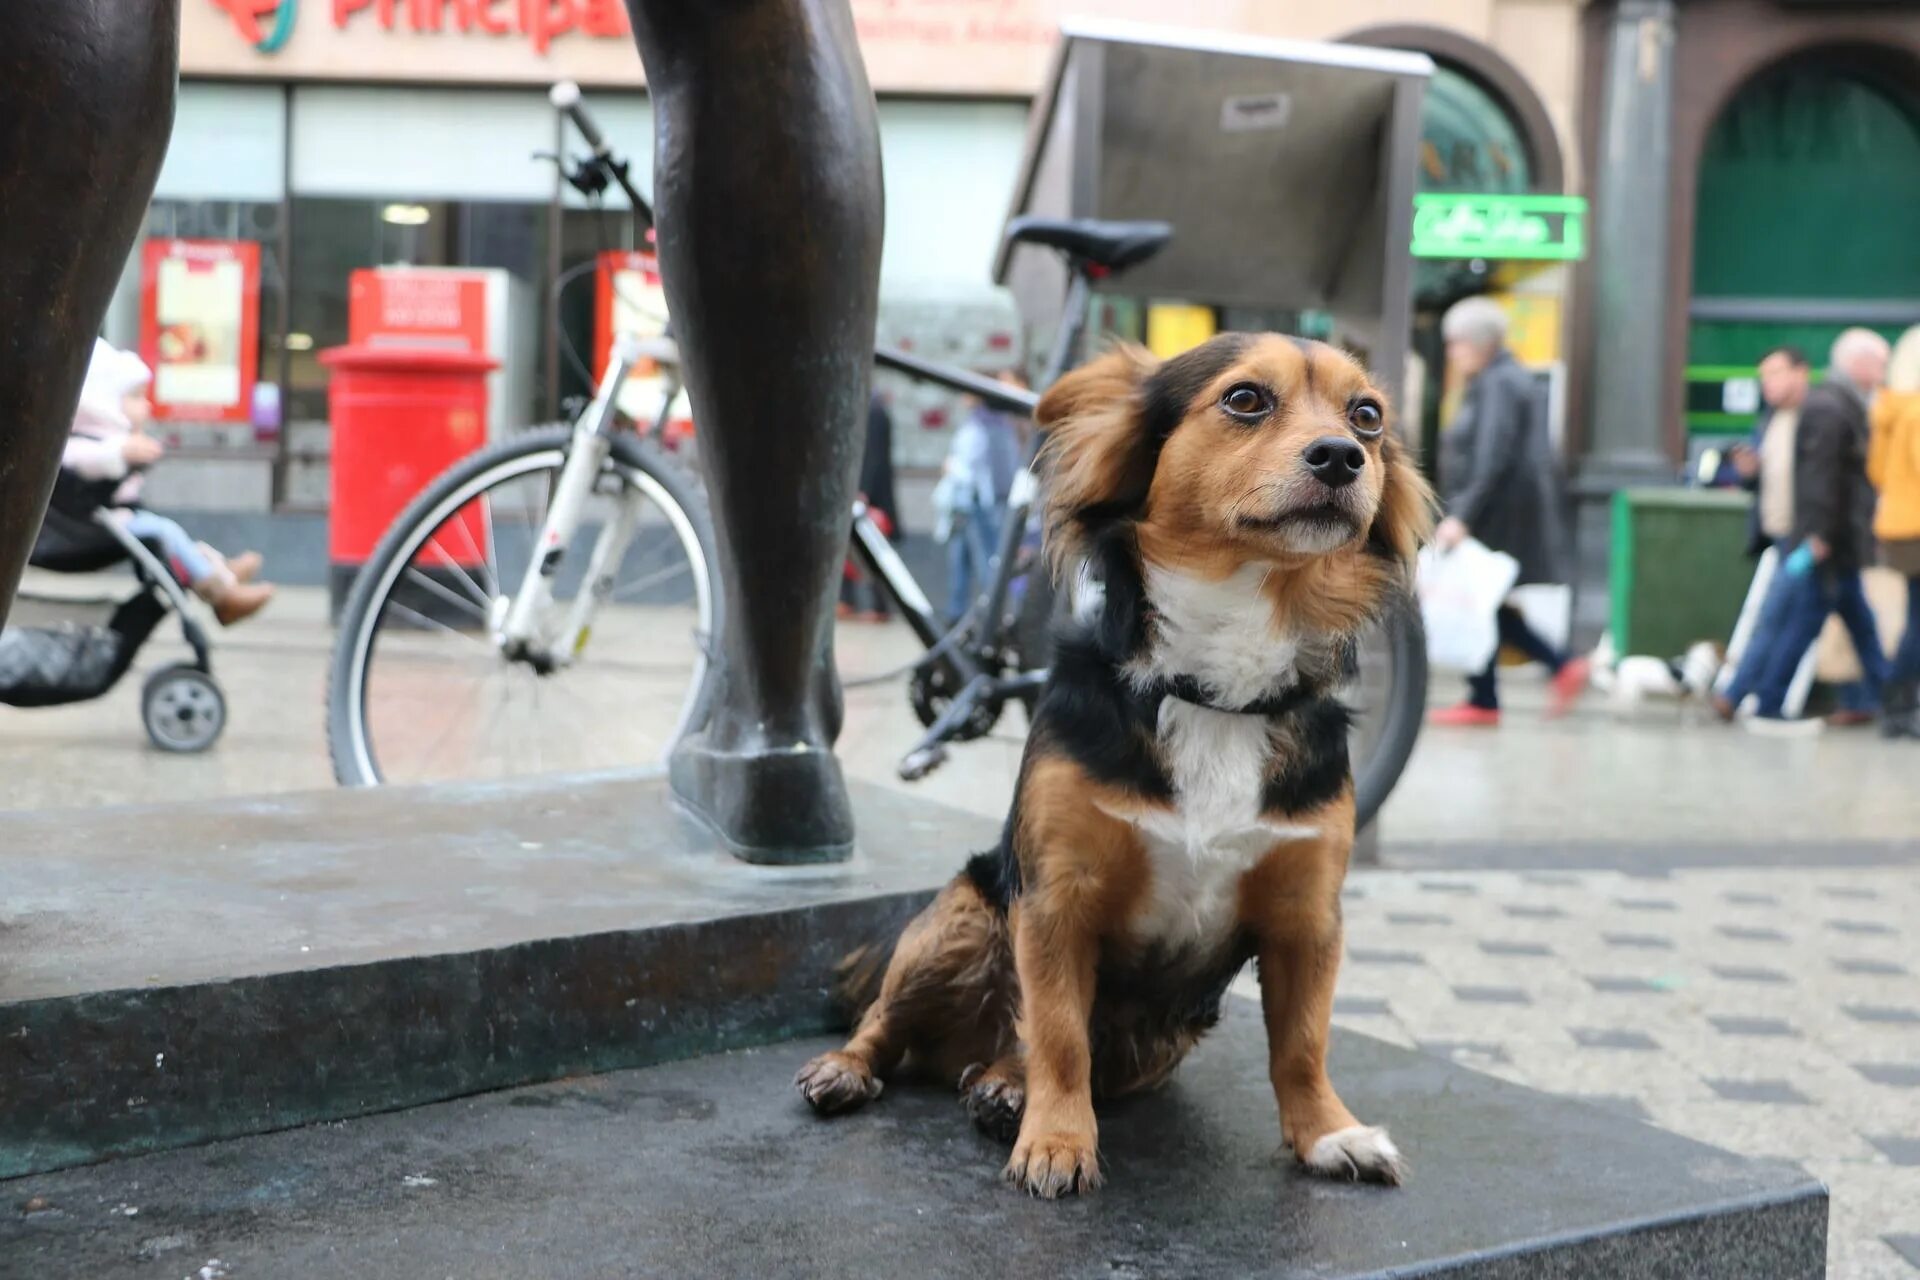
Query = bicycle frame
x=519 y=632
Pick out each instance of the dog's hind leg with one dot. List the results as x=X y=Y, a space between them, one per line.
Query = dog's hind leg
x=941 y=998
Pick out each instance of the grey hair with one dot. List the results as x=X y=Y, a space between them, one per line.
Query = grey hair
x=1854 y=343
x=1478 y=320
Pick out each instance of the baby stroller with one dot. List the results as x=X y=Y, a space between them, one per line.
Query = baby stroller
x=70 y=660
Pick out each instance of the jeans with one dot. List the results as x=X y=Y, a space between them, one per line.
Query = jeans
x=1483 y=690
x=1810 y=600
x=189 y=563
x=970 y=551
x=1906 y=660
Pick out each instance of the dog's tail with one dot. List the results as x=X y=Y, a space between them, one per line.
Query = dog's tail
x=857 y=978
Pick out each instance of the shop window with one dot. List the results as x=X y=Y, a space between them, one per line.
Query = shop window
x=337 y=237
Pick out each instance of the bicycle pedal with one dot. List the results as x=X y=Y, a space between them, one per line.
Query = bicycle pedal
x=918 y=764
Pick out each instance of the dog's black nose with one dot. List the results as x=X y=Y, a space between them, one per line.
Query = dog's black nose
x=1335 y=460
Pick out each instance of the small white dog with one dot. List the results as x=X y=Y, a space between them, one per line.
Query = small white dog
x=1633 y=680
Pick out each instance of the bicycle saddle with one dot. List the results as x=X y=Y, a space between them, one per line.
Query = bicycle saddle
x=1113 y=245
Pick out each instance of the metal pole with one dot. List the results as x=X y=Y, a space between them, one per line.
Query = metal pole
x=1630 y=347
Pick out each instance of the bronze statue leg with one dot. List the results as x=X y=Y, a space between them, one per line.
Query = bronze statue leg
x=767 y=177
x=86 y=107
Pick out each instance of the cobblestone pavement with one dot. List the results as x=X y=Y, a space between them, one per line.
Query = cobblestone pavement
x=1692 y=926
x=1774 y=1012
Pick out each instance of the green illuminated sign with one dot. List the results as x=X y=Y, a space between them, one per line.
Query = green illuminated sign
x=1446 y=225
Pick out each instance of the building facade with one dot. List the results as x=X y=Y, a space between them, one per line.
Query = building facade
x=339 y=135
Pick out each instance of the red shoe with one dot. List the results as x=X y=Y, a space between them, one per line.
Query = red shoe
x=1464 y=716
x=1568 y=685
x=1847 y=719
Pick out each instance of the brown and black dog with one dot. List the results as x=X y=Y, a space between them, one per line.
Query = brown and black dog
x=1185 y=803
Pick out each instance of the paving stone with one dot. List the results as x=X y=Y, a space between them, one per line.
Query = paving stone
x=1362 y=955
x=1737 y=1026
x=1907 y=1246
x=1449 y=886
x=1749 y=933
x=1625 y=986
x=1360 y=1006
x=1638 y=941
x=1774 y=1092
x=1882 y=1013
x=1899 y=1148
x=1417 y=917
x=1741 y=898
x=1528 y=911
x=1458 y=1050
x=1862 y=928
x=1898 y=1074
x=1492 y=995
x=1606 y=1038
x=1646 y=904
x=1741 y=973
x=1516 y=948
x=1618 y=1103
x=1886 y=968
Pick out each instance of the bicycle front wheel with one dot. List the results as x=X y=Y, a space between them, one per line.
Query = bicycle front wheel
x=420 y=690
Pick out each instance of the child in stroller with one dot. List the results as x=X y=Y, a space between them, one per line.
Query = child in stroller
x=102 y=469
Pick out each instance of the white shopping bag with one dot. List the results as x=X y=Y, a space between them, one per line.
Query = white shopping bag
x=1547 y=607
x=1460 y=592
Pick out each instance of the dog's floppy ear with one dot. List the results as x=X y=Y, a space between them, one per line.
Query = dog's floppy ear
x=1098 y=458
x=1405 y=516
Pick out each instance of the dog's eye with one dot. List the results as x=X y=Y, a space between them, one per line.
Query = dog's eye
x=1366 y=418
x=1246 y=401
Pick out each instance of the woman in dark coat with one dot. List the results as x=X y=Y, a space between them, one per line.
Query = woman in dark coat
x=1502 y=487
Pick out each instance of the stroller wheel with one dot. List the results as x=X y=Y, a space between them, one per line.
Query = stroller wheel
x=183 y=708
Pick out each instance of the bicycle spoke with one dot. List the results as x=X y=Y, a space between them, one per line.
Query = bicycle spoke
x=627 y=590
x=451 y=596
x=479 y=556
x=481 y=597
x=434 y=624
x=493 y=543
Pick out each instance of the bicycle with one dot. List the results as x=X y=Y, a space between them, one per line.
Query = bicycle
x=590 y=492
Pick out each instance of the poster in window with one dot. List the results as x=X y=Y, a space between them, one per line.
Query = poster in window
x=629 y=298
x=200 y=327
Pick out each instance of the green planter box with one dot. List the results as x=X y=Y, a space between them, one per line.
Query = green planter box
x=1678 y=571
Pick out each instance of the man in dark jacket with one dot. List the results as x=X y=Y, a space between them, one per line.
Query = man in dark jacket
x=1832 y=535
x=1502 y=487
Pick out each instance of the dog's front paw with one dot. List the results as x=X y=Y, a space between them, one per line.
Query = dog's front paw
x=836 y=1082
x=1051 y=1165
x=1362 y=1153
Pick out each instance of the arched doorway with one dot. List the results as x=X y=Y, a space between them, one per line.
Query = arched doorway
x=1484 y=131
x=1809 y=190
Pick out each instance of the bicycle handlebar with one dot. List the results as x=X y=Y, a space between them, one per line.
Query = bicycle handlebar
x=565 y=97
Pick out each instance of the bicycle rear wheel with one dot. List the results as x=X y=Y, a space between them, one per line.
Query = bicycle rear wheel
x=421 y=692
x=1388 y=695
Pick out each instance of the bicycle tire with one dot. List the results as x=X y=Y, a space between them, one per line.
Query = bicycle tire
x=355 y=763
x=1376 y=776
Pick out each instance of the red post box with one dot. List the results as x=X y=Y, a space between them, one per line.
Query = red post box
x=400 y=416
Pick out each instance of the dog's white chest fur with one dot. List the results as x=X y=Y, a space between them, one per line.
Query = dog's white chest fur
x=1222 y=634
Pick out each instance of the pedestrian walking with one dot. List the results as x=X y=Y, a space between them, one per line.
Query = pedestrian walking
x=1832 y=534
x=1502 y=487
x=861 y=597
x=971 y=498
